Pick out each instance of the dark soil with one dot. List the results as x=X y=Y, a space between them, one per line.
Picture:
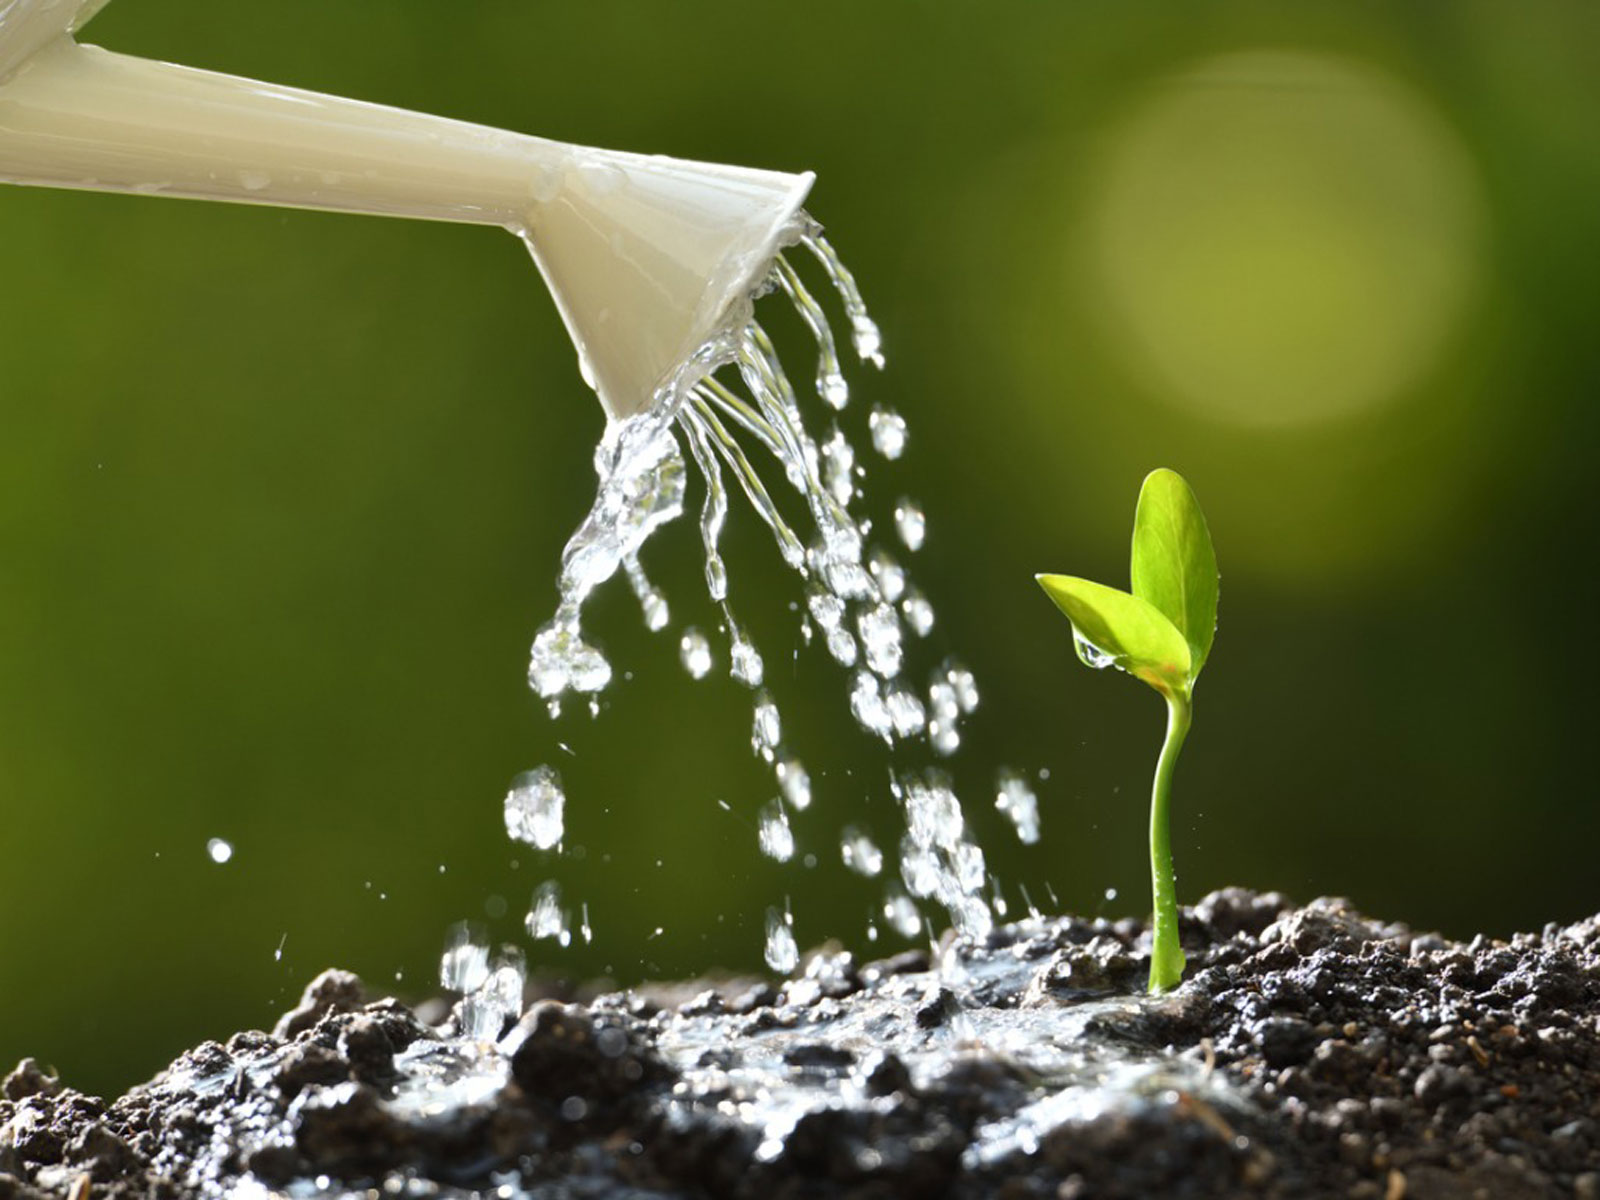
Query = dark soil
x=1310 y=1052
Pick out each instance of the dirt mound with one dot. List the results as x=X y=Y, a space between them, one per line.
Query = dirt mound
x=1310 y=1052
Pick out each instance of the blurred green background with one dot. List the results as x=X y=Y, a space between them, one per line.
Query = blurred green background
x=282 y=494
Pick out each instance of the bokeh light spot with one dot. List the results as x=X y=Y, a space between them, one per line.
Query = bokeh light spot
x=1281 y=238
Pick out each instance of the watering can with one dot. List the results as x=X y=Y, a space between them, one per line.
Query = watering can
x=645 y=256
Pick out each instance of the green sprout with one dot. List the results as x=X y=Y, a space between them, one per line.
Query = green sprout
x=1161 y=633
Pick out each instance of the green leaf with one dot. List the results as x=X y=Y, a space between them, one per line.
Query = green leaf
x=1128 y=631
x=1174 y=563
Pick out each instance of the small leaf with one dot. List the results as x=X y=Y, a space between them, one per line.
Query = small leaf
x=1129 y=631
x=1174 y=563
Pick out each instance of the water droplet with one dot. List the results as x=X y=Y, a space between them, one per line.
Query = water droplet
x=834 y=389
x=879 y=628
x=888 y=430
x=534 y=808
x=997 y=899
x=796 y=784
x=905 y=710
x=842 y=646
x=782 y=954
x=867 y=339
x=918 y=613
x=1017 y=801
x=695 y=653
x=868 y=707
x=859 y=852
x=890 y=575
x=838 y=467
x=964 y=683
x=826 y=608
x=562 y=660
x=910 y=524
x=1090 y=654
x=219 y=851
x=745 y=660
x=933 y=814
x=546 y=918
x=900 y=913
x=767 y=729
x=774 y=834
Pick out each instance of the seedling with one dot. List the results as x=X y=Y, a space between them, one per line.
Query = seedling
x=1161 y=633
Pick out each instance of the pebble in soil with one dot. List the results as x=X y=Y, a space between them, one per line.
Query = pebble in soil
x=1311 y=1053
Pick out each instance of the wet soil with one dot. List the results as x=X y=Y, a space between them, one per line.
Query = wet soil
x=1310 y=1052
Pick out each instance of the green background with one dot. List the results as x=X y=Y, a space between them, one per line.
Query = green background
x=282 y=494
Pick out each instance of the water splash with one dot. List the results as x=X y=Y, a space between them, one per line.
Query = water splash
x=782 y=954
x=485 y=1011
x=464 y=966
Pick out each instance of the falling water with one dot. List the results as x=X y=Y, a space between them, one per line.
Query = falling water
x=733 y=412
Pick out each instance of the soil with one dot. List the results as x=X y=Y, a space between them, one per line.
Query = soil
x=1310 y=1052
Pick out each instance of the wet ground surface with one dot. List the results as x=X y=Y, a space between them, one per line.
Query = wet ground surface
x=1310 y=1052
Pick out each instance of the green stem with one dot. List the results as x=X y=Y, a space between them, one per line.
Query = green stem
x=1166 y=955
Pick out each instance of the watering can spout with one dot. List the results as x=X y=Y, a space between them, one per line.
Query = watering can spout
x=645 y=256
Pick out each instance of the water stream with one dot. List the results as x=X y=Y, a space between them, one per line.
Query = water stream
x=734 y=414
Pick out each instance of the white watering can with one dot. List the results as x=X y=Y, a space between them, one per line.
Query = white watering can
x=644 y=255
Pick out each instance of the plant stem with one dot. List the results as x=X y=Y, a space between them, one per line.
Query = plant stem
x=1166 y=955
